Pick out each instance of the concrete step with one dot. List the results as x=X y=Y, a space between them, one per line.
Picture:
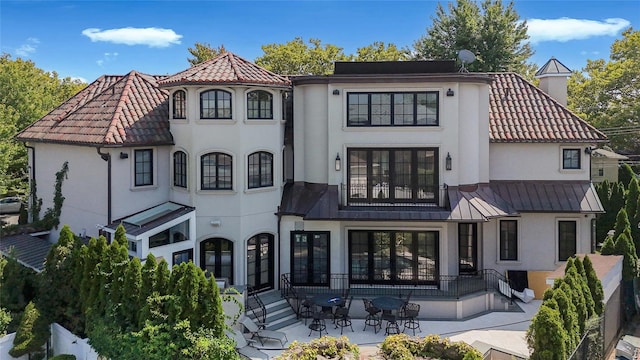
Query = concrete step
x=279 y=312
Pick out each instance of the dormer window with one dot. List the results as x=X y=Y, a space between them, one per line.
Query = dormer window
x=259 y=105
x=215 y=104
x=180 y=104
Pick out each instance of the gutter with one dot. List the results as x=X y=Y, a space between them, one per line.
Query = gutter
x=107 y=157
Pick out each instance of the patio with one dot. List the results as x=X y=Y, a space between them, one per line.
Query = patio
x=503 y=330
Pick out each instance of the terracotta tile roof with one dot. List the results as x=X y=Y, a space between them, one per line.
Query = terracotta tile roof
x=113 y=110
x=521 y=112
x=227 y=68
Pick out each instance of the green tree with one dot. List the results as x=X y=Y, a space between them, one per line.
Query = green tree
x=298 y=58
x=120 y=236
x=58 y=290
x=625 y=174
x=148 y=277
x=546 y=336
x=26 y=94
x=625 y=247
x=608 y=246
x=32 y=333
x=595 y=285
x=162 y=278
x=605 y=93
x=631 y=206
x=203 y=51
x=622 y=223
x=584 y=307
x=569 y=316
x=379 y=51
x=132 y=301
x=493 y=32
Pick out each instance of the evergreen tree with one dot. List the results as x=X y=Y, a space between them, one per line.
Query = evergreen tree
x=616 y=201
x=604 y=222
x=210 y=305
x=203 y=51
x=622 y=223
x=32 y=332
x=132 y=302
x=91 y=282
x=631 y=202
x=162 y=278
x=58 y=292
x=546 y=336
x=148 y=277
x=625 y=174
x=120 y=236
x=569 y=316
x=578 y=297
x=185 y=292
x=594 y=285
x=609 y=246
x=625 y=247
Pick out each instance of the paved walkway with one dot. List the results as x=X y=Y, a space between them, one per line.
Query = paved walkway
x=505 y=330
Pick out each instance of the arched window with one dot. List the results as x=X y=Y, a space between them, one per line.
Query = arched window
x=260 y=169
x=216 y=172
x=215 y=104
x=180 y=104
x=259 y=105
x=180 y=169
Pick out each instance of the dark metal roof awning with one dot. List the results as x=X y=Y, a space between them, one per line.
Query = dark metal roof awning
x=477 y=203
x=28 y=250
x=549 y=196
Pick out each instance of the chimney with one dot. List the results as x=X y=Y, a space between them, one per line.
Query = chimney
x=553 y=80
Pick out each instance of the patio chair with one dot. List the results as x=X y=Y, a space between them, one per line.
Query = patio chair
x=411 y=311
x=305 y=306
x=342 y=317
x=372 y=318
x=262 y=334
x=244 y=348
x=318 y=324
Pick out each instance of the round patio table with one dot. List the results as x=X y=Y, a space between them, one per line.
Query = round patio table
x=327 y=300
x=388 y=303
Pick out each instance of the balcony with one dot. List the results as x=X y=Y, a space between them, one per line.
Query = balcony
x=382 y=194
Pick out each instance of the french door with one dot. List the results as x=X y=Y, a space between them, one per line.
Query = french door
x=260 y=262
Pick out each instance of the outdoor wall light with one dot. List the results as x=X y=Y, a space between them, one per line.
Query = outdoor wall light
x=124 y=155
x=336 y=92
x=338 y=162
x=450 y=92
x=588 y=150
x=447 y=162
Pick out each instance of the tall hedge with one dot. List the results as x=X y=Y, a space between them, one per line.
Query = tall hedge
x=594 y=285
x=32 y=334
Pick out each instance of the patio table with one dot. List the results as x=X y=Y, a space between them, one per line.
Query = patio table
x=388 y=303
x=327 y=302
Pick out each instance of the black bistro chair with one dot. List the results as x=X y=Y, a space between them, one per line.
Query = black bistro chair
x=342 y=317
x=410 y=317
x=372 y=319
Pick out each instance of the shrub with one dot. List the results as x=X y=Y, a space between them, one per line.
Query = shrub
x=327 y=346
x=403 y=347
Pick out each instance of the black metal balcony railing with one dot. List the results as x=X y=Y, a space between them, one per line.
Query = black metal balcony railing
x=384 y=195
x=445 y=286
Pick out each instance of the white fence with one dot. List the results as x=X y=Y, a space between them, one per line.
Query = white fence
x=64 y=342
x=6 y=343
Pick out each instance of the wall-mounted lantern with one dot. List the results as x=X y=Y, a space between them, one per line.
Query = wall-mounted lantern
x=338 y=162
x=447 y=162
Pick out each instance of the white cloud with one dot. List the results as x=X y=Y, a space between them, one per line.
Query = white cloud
x=108 y=57
x=152 y=37
x=567 y=29
x=28 y=48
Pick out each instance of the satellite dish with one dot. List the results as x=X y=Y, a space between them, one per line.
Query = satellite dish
x=466 y=57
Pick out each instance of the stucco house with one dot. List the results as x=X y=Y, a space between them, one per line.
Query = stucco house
x=381 y=175
x=605 y=164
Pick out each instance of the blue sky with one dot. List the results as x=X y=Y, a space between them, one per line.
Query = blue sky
x=86 y=39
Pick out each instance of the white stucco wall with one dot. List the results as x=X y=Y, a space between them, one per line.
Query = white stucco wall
x=321 y=130
x=537 y=241
x=240 y=213
x=520 y=161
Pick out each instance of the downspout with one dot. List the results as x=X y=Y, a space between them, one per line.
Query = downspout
x=278 y=247
x=32 y=179
x=107 y=157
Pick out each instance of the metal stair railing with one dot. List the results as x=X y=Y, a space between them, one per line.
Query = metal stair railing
x=255 y=306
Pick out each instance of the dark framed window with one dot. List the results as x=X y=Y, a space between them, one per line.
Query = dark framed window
x=393 y=109
x=567 y=237
x=216 y=258
x=392 y=175
x=260 y=269
x=393 y=257
x=182 y=256
x=180 y=169
x=310 y=258
x=180 y=104
x=172 y=235
x=571 y=159
x=215 y=104
x=259 y=105
x=467 y=247
x=508 y=240
x=143 y=167
x=260 y=169
x=216 y=172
